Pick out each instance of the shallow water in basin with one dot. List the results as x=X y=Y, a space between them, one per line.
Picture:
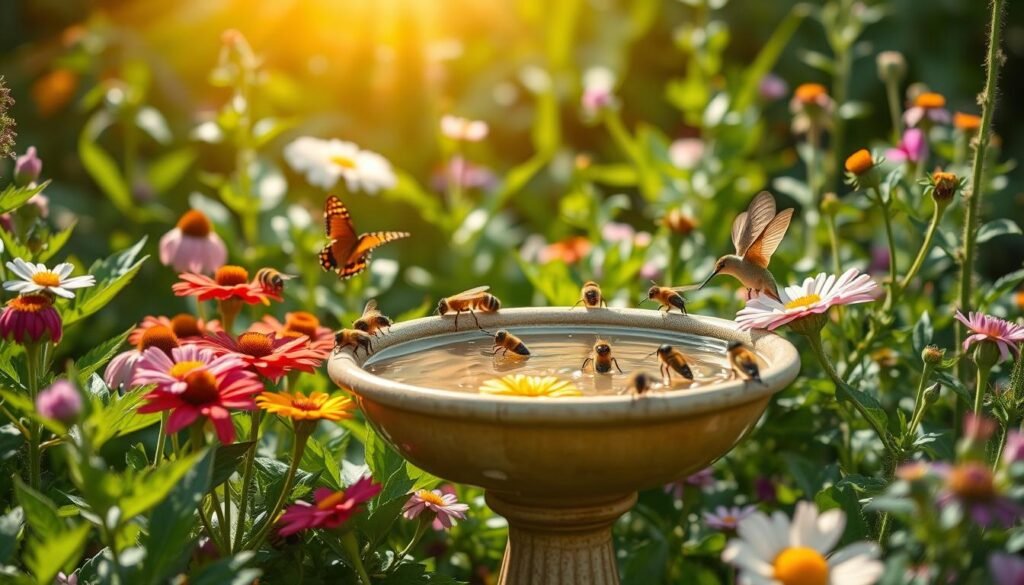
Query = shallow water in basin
x=462 y=362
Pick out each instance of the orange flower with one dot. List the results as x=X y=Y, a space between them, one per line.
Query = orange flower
x=54 y=90
x=298 y=406
x=860 y=162
x=570 y=250
x=810 y=93
x=230 y=282
x=930 y=99
x=966 y=122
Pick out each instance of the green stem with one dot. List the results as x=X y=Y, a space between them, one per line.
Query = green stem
x=894 y=284
x=892 y=94
x=301 y=435
x=929 y=235
x=421 y=528
x=982 y=386
x=351 y=547
x=1003 y=430
x=161 y=439
x=833 y=240
x=247 y=472
x=988 y=106
x=840 y=85
x=14 y=420
x=919 y=400
x=219 y=512
x=35 y=429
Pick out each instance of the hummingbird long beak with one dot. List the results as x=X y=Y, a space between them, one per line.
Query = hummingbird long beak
x=708 y=279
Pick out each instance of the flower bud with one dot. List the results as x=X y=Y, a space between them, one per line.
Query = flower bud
x=861 y=170
x=986 y=354
x=944 y=186
x=830 y=204
x=679 y=222
x=892 y=67
x=968 y=123
x=933 y=355
x=61 y=401
x=931 y=394
x=27 y=168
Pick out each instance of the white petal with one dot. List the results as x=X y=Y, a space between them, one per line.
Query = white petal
x=21 y=286
x=63 y=270
x=830 y=528
x=20 y=268
x=61 y=292
x=79 y=282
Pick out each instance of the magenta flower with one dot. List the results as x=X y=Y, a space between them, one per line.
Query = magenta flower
x=444 y=506
x=120 y=372
x=61 y=401
x=192 y=383
x=1014 y=449
x=727 y=519
x=686 y=153
x=1007 y=336
x=815 y=296
x=27 y=168
x=330 y=510
x=615 y=232
x=912 y=147
x=30 y=319
x=972 y=486
x=193 y=246
x=772 y=88
x=1006 y=569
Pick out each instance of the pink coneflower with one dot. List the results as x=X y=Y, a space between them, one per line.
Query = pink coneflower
x=1013 y=451
x=193 y=383
x=463 y=129
x=1006 y=569
x=445 y=507
x=912 y=148
x=121 y=369
x=37 y=278
x=614 y=232
x=972 y=486
x=928 y=107
x=193 y=246
x=815 y=296
x=186 y=327
x=267 y=354
x=230 y=283
x=296 y=324
x=1007 y=336
x=30 y=319
x=330 y=510
x=727 y=519
x=61 y=401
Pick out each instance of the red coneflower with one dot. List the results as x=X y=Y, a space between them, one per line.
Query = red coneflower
x=298 y=323
x=30 y=318
x=269 y=355
x=330 y=510
x=230 y=283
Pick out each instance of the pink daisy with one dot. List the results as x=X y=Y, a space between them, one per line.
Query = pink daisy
x=193 y=383
x=727 y=519
x=193 y=246
x=120 y=372
x=267 y=354
x=912 y=147
x=30 y=318
x=330 y=510
x=1007 y=336
x=445 y=507
x=815 y=296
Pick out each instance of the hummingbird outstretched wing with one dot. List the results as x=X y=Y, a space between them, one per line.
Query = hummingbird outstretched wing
x=751 y=223
x=760 y=252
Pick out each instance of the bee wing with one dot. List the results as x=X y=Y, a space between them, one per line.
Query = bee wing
x=370 y=308
x=686 y=288
x=758 y=216
x=470 y=292
x=760 y=252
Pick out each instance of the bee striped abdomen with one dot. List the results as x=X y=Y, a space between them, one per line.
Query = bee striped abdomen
x=521 y=349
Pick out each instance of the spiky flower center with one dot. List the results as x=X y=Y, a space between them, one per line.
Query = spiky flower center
x=231 y=275
x=185 y=325
x=255 y=344
x=803 y=302
x=29 y=303
x=430 y=497
x=302 y=323
x=202 y=388
x=800 y=565
x=46 y=278
x=344 y=162
x=159 y=336
x=194 y=223
x=972 y=482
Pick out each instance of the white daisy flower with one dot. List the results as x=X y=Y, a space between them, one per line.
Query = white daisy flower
x=37 y=278
x=324 y=162
x=774 y=551
x=815 y=296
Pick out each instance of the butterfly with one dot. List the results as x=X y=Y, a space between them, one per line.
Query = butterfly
x=346 y=253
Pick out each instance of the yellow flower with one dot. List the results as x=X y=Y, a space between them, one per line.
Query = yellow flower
x=298 y=406
x=530 y=387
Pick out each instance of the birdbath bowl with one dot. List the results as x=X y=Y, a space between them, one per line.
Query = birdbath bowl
x=562 y=470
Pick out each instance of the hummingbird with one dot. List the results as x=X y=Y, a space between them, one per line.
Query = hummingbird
x=756 y=234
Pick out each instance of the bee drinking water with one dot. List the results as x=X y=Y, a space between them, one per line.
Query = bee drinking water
x=673 y=360
x=602 y=357
x=744 y=362
x=355 y=339
x=668 y=297
x=503 y=340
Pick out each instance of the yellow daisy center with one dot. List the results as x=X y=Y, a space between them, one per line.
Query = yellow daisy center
x=46 y=278
x=182 y=369
x=801 y=566
x=804 y=301
x=185 y=325
x=343 y=162
x=430 y=497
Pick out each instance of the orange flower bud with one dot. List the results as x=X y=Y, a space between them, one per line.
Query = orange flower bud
x=808 y=93
x=930 y=100
x=966 y=122
x=860 y=162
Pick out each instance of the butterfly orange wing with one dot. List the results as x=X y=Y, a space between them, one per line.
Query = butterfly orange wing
x=359 y=257
x=340 y=231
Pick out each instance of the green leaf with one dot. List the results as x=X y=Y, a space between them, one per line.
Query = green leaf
x=317 y=457
x=98 y=356
x=13 y=197
x=102 y=167
x=10 y=526
x=119 y=416
x=112 y=275
x=40 y=513
x=56 y=551
x=136 y=457
x=226 y=460
x=415 y=574
x=55 y=242
x=170 y=523
x=229 y=571
x=869 y=408
x=845 y=498
x=168 y=170
x=996 y=228
x=388 y=468
x=150 y=488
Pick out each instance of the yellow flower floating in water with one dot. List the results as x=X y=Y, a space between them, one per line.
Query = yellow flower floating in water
x=298 y=406
x=530 y=387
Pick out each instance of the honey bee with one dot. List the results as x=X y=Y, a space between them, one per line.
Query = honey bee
x=602 y=358
x=590 y=296
x=372 y=320
x=503 y=340
x=673 y=360
x=668 y=297
x=640 y=383
x=355 y=339
x=744 y=362
x=472 y=300
x=272 y=280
